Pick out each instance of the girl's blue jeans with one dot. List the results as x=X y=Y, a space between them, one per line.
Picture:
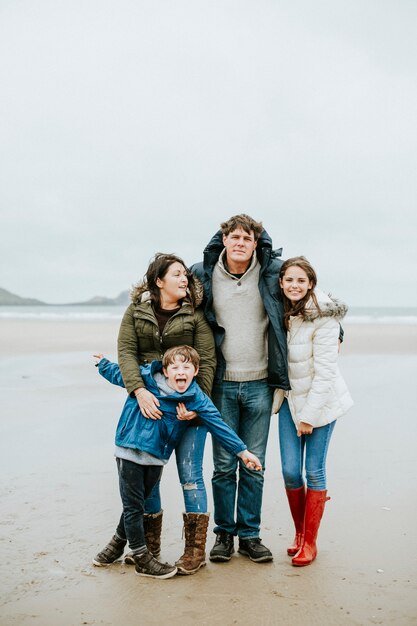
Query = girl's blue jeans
x=311 y=449
x=189 y=455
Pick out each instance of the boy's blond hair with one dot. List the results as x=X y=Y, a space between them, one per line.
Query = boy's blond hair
x=187 y=353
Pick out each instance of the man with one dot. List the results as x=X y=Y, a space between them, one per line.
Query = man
x=244 y=308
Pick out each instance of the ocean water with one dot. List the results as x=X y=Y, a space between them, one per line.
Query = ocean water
x=381 y=315
x=63 y=312
x=356 y=315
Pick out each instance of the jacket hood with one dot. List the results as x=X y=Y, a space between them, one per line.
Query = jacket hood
x=140 y=293
x=329 y=307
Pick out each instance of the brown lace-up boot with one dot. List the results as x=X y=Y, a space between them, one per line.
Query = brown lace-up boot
x=152 y=525
x=195 y=530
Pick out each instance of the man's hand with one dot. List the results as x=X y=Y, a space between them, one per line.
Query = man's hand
x=148 y=404
x=251 y=461
x=183 y=413
x=98 y=357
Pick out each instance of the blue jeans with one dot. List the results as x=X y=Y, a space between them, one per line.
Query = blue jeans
x=135 y=483
x=293 y=450
x=189 y=455
x=246 y=408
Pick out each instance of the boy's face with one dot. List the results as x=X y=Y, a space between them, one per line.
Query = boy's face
x=180 y=374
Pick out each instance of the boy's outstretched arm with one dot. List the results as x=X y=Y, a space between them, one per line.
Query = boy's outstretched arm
x=109 y=371
x=227 y=437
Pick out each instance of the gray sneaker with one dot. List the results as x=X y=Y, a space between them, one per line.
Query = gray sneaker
x=146 y=565
x=130 y=557
x=111 y=552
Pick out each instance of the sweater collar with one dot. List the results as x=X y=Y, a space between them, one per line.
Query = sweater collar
x=222 y=265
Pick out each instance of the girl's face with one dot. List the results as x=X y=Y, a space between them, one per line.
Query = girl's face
x=173 y=286
x=295 y=283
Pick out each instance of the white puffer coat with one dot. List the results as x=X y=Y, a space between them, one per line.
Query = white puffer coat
x=318 y=393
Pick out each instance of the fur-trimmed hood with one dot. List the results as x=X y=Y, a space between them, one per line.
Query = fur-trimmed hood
x=139 y=293
x=329 y=307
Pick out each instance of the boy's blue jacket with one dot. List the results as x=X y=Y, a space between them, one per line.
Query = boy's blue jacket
x=159 y=437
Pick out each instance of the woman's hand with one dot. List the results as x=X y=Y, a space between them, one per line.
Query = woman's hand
x=304 y=429
x=148 y=404
x=251 y=460
x=183 y=413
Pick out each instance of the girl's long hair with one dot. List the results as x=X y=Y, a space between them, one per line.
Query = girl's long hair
x=299 y=308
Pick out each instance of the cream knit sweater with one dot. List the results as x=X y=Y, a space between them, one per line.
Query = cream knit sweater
x=240 y=311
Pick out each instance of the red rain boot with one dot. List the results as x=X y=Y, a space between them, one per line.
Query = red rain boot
x=315 y=501
x=297 y=501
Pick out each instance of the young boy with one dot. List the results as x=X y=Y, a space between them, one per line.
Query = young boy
x=143 y=446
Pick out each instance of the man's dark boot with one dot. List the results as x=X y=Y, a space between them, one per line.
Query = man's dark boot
x=223 y=547
x=255 y=550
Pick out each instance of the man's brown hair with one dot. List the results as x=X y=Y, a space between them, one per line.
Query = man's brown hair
x=186 y=353
x=243 y=221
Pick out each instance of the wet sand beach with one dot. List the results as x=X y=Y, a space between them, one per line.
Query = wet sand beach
x=60 y=501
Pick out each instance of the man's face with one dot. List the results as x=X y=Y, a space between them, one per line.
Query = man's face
x=239 y=246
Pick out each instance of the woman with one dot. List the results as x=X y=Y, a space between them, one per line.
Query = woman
x=317 y=398
x=164 y=314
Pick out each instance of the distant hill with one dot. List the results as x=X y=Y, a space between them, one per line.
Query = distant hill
x=122 y=298
x=10 y=299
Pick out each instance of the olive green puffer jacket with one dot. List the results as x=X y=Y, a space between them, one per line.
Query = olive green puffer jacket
x=140 y=342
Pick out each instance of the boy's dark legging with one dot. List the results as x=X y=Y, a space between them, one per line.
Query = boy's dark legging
x=135 y=484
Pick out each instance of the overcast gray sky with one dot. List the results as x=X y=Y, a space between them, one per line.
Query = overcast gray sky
x=129 y=127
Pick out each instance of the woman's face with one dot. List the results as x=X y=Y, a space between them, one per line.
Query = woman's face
x=173 y=286
x=295 y=283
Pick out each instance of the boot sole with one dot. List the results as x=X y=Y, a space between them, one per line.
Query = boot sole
x=261 y=559
x=188 y=572
x=219 y=558
x=161 y=577
x=98 y=564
